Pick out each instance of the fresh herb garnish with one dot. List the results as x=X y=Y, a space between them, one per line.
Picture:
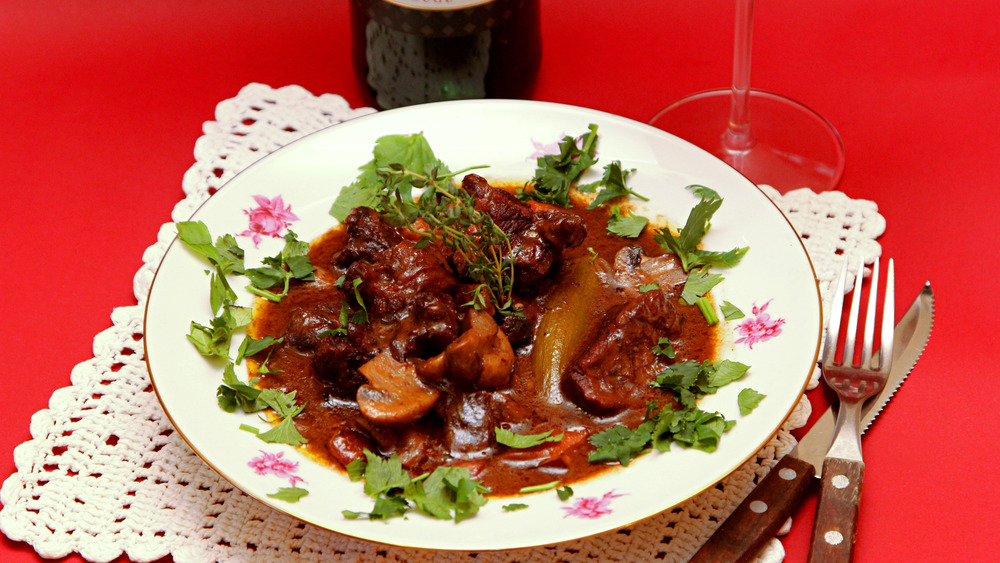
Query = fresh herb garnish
x=213 y=340
x=626 y=225
x=696 y=261
x=234 y=394
x=279 y=270
x=564 y=492
x=612 y=185
x=447 y=213
x=508 y=438
x=289 y=494
x=539 y=488
x=557 y=173
x=731 y=312
x=286 y=409
x=748 y=400
x=445 y=493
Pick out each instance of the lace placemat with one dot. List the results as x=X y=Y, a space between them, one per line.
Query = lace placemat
x=105 y=474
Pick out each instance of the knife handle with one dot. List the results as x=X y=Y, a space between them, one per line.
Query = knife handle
x=836 y=524
x=759 y=517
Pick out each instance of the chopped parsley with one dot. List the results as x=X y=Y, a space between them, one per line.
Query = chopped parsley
x=447 y=493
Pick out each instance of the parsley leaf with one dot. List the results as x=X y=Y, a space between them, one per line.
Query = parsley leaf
x=285 y=408
x=731 y=312
x=408 y=151
x=626 y=225
x=748 y=400
x=556 y=174
x=213 y=340
x=234 y=394
x=620 y=443
x=446 y=493
x=508 y=438
x=613 y=185
x=291 y=263
x=289 y=494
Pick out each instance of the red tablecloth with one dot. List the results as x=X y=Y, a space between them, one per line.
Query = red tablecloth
x=101 y=103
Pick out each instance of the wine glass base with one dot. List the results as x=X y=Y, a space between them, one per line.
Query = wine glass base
x=793 y=146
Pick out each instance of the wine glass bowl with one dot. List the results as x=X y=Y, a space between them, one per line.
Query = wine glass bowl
x=788 y=146
x=784 y=144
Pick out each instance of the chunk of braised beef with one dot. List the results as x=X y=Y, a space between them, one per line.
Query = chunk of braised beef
x=509 y=213
x=368 y=236
x=560 y=228
x=337 y=359
x=306 y=326
x=425 y=326
x=537 y=234
x=520 y=329
x=389 y=282
x=619 y=360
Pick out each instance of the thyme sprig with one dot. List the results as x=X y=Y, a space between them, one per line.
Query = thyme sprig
x=451 y=219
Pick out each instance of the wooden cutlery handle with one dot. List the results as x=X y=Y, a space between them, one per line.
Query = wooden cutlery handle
x=759 y=517
x=835 y=527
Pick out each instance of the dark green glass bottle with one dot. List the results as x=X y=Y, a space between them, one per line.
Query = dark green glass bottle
x=415 y=51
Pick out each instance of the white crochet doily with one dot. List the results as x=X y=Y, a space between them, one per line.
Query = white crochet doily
x=105 y=474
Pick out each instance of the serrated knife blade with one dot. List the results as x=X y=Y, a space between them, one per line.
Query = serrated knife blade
x=758 y=518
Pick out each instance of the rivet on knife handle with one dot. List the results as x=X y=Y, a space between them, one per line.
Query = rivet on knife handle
x=835 y=527
x=743 y=535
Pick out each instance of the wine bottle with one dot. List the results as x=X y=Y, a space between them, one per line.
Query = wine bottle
x=415 y=51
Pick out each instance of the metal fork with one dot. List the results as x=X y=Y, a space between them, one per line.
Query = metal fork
x=835 y=527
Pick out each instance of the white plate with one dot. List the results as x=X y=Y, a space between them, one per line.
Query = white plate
x=775 y=275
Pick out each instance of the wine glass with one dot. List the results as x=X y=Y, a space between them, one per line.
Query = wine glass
x=786 y=145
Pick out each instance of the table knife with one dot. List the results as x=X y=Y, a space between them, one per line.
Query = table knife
x=759 y=517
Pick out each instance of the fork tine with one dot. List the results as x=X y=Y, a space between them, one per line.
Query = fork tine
x=836 y=310
x=888 y=319
x=866 y=349
x=852 y=321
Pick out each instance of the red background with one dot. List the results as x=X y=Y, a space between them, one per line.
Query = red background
x=101 y=103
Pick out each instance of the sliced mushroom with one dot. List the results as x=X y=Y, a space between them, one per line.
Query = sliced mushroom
x=394 y=394
x=482 y=355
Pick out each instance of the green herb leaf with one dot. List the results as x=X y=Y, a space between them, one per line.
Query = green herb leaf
x=664 y=348
x=508 y=438
x=731 y=312
x=620 y=443
x=556 y=174
x=252 y=346
x=564 y=492
x=699 y=283
x=289 y=494
x=234 y=394
x=626 y=225
x=748 y=400
x=613 y=184
x=514 y=506
x=448 y=493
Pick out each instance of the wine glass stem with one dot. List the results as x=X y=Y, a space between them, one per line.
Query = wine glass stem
x=738 y=136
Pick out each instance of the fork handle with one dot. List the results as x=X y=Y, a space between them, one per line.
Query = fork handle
x=835 y=527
